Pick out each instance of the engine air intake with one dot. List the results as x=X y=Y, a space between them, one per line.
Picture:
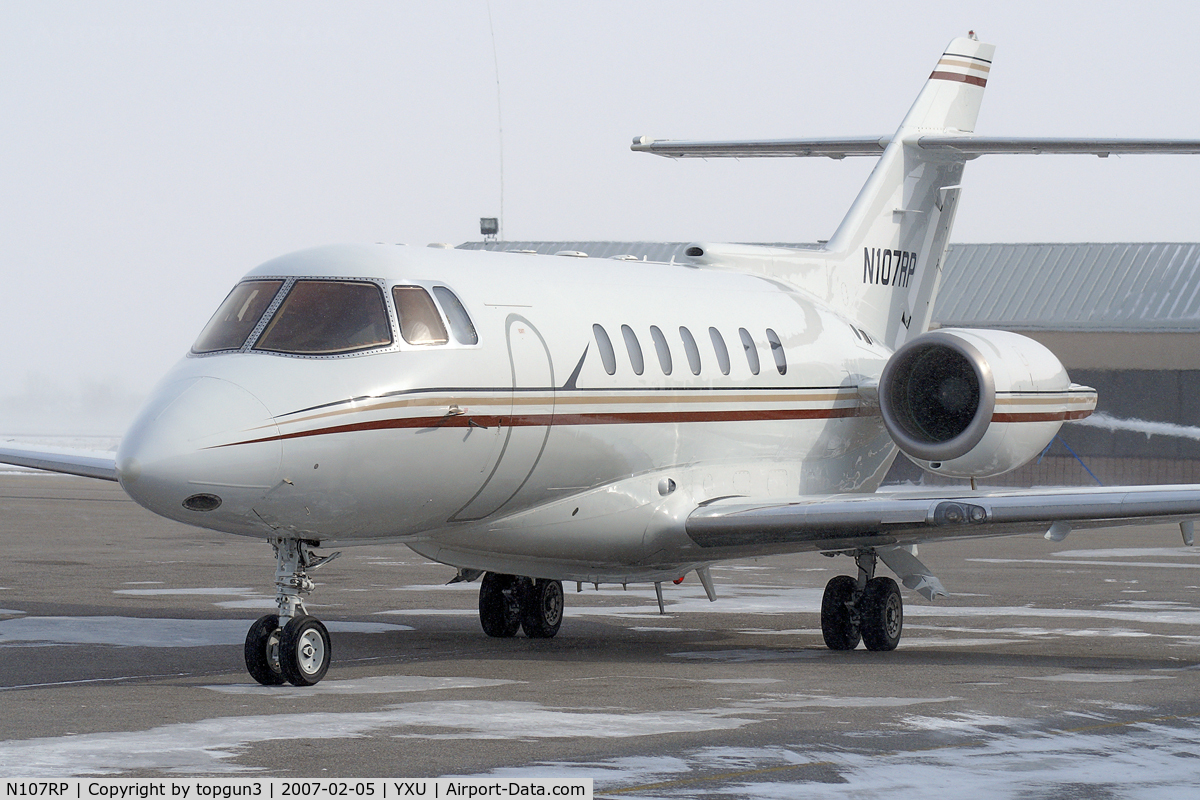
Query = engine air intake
x=937 y=396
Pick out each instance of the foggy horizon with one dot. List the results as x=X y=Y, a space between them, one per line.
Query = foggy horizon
x=156 y=153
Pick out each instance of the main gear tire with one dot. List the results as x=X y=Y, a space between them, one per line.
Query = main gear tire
x=839 y=623
x=499 y=605
x=881 y=614
x=541 y=608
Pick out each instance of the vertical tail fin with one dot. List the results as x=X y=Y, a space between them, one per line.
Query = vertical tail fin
x=883 y=265
x=891 y=244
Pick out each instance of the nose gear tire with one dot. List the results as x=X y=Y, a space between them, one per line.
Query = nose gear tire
x=304 y=650
x=262 y=651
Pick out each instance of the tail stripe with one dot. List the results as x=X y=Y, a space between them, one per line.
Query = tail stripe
x=954 y=76
x=963 y=69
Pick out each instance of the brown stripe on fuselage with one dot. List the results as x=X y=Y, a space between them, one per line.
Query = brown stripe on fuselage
x=598 y=418
x=504 y=397
x=1041 y=416
x=1052 y=399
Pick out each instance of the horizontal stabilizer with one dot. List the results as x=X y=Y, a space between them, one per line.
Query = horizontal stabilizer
x=1022 y=145
x=86 y=463
x=764 y=148
x=966 y=146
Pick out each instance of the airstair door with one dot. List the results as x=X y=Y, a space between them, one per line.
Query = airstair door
x=525 y=428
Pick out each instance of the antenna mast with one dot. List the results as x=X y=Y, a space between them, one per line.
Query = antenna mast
x=499 y=121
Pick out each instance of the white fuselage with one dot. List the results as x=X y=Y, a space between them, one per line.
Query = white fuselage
x=522 y=453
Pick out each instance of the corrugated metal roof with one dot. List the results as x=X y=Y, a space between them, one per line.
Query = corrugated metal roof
x=1072 y=287
x=1064 y=287
x=650 y=251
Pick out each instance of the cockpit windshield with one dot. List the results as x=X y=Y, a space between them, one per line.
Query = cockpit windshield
x=322 y=317
x=237 y=316
x=331 y=316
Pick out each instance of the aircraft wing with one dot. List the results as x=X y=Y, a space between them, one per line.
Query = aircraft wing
x=87 y=463
x=848 y=522
x=968 y=146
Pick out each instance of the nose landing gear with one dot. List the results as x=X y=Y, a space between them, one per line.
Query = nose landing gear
x=290 y=646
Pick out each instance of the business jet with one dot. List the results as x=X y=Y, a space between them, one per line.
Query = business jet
x=530 y=420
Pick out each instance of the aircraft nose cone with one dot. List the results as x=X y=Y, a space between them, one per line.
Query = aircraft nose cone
x=195 y=452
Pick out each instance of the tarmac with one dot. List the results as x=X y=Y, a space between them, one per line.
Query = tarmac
x=1054 y=670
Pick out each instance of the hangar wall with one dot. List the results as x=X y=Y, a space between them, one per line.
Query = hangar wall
x=1123 y=318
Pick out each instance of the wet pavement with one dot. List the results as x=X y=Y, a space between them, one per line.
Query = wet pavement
x=1054 y=670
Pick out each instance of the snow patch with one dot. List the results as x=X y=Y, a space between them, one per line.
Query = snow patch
x=186 y=592
x=746 y=656
x=1098 y=677
x=385 y=684
x=208 y=746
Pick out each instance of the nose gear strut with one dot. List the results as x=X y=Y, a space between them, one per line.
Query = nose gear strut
x=292 y=565
x=290 y=646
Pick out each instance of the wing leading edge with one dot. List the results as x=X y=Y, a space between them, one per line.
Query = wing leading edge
x=849 y=522
x=86 y=463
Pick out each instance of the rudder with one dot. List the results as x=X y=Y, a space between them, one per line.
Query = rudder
x=886 y=255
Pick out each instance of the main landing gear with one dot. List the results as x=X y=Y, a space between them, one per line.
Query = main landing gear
x=508 y=603
x=290 y=646
x=867 y=608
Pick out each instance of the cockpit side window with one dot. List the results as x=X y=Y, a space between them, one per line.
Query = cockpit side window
x=322 y=317
x=420 y=322
x=460 y=321
x=237 y=316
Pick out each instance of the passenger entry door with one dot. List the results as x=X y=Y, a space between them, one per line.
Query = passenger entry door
x=525 y=428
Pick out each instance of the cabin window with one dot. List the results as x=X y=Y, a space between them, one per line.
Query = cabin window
x=721 y=350
x=607 y=355
x=660 y=347
x=237 y=317
x=751 y=350
x=460 y=322
x=777 y=351
x=323 y=318
x=420 y=322
x=635 y=350
x=689 y=348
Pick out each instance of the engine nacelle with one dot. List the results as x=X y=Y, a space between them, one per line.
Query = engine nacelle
x=976 y=403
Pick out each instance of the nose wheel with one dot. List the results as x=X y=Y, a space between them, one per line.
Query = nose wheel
x=298 y=653
x=304 y=651
x=262 y=651
x=291 y=646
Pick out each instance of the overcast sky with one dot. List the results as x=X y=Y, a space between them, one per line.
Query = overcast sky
x=151 y=153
